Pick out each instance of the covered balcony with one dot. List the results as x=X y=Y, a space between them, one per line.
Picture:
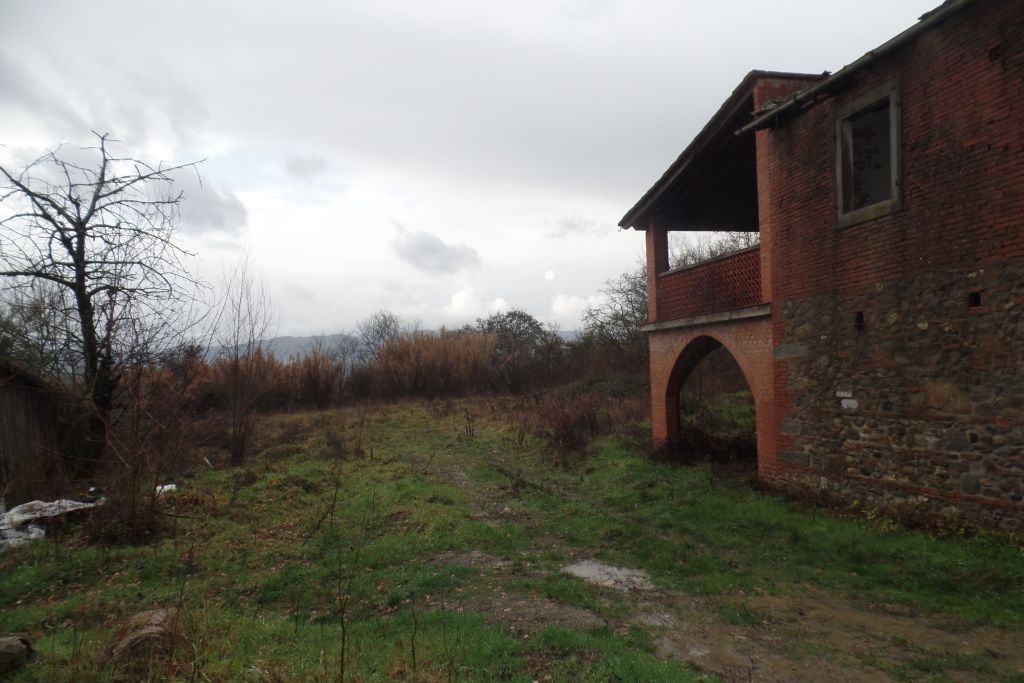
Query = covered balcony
x=711 y=186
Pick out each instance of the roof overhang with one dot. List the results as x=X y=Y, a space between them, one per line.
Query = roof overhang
x=712 y=185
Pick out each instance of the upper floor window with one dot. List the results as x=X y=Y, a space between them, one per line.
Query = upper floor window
x=868 y=156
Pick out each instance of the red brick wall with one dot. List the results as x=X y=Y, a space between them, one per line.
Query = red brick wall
x=963 y=160
x=714 y=286
x=923 y=401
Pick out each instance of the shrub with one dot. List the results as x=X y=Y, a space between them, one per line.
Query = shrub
x=570 y=424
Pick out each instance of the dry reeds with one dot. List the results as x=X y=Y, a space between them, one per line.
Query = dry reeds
x=432 y=365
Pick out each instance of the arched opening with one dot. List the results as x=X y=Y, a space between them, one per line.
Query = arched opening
x=712 y=414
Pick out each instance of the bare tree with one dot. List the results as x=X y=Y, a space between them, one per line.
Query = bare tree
x=245 y=320
x=381 y=327
x=616 y=320
x=345 y=350
x=33 y=330
x=712 y=246
x=101 y=234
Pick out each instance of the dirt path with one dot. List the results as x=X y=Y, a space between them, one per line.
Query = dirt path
x=819 y=636
x=814 y=637
x=809 y=635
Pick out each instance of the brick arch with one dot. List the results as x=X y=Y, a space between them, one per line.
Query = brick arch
x=675 y=352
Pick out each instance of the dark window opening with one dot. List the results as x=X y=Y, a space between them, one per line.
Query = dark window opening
x=867 y=157
x=975 y=299
x=858 y=321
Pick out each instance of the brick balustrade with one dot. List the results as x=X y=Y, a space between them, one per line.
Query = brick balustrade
x=723 y=284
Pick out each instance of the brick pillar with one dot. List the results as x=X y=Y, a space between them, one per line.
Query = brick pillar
x=662 y=361
x=764 y=415
x=766 y=90
x=763 y=146
x=773 y=403
x=657 y=262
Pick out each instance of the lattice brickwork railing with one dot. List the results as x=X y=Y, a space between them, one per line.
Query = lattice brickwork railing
x=723 y=284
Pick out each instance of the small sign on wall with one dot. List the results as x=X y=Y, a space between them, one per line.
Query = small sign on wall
x=844 y=392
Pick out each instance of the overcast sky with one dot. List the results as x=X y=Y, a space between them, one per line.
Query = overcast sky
x=442 y=159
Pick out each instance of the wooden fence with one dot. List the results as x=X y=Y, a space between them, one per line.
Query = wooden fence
x=33 y=436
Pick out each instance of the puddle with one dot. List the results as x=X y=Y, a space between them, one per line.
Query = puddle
x=609 y=576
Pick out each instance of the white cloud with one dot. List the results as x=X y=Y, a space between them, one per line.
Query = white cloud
x=466 y=305
x=567 y=309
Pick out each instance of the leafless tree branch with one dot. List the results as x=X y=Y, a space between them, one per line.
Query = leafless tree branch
x=100 y=237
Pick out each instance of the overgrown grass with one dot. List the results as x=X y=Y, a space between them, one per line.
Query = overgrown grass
x=355 y=523
x=700 y=535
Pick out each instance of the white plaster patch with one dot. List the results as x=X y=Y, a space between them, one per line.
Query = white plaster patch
x=849 y=404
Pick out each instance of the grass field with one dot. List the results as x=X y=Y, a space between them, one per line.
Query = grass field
x=425 y=542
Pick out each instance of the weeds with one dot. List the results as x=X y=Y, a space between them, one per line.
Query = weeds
x=449 y=656
x=522 y=429
x=415 y=631
x=315 y=567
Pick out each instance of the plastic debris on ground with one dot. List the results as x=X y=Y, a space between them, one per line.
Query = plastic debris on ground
x=21 y=523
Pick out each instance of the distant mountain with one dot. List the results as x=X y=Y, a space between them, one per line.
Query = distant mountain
x=286 y=347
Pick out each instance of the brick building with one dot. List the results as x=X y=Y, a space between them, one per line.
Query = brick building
x=880 y=323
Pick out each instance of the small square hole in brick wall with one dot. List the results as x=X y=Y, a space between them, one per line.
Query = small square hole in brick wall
x=975 y=299
x=858 y=321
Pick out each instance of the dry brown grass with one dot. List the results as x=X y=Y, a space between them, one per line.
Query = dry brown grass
x=428 y=365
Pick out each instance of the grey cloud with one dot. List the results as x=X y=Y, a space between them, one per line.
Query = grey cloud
x=305 y=168
x=21 y=87
x=142 y=102
x=577 y=225
x=207 y=208
x=449 y=88
x=430 y=253
x=159 y=102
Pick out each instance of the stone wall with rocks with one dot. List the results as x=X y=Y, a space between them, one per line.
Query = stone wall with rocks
x=911 y=393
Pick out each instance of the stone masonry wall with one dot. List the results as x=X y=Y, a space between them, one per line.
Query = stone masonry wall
x=906 y=391
x=899 y=342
